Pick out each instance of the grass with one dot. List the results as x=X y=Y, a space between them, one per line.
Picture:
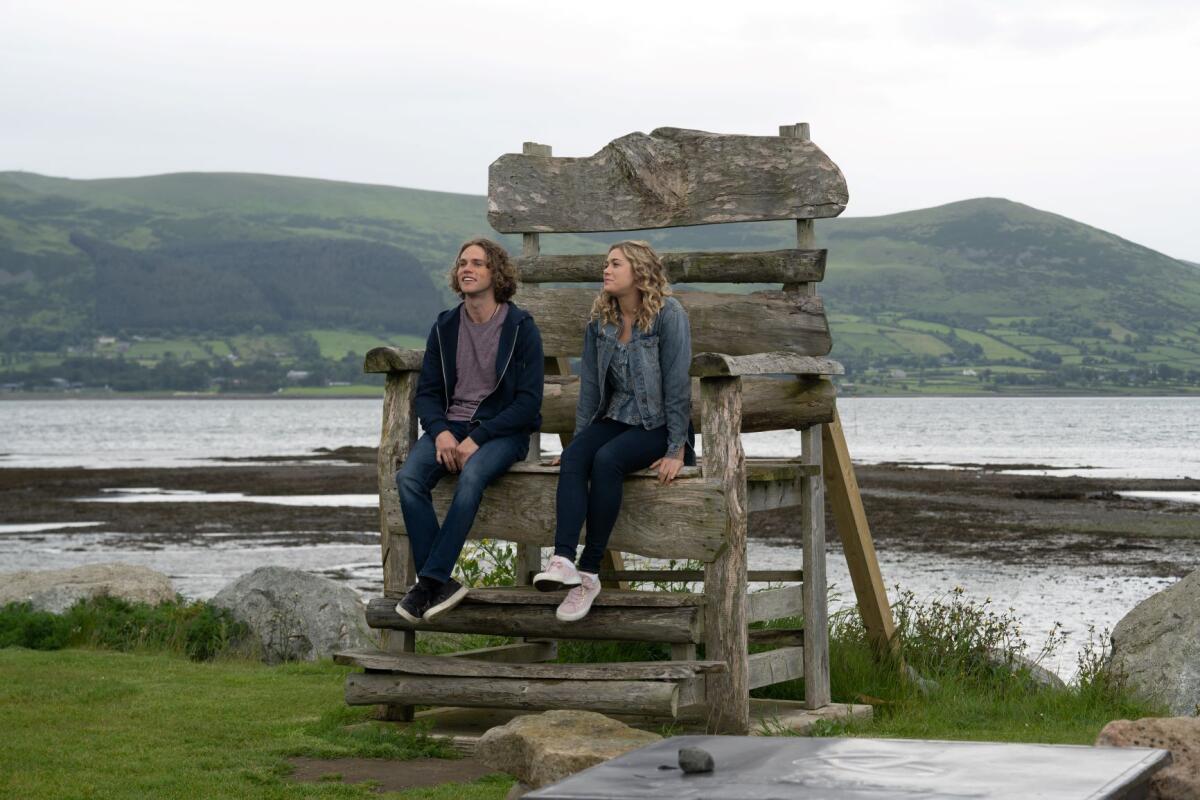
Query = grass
x=974 y=696
x=95 y=724
x=150 y=722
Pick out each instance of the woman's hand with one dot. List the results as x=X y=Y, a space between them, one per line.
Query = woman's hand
x=668 y=467
x=554 y=462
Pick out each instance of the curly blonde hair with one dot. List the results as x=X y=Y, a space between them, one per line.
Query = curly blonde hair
x=650 y=279
x=504 y=272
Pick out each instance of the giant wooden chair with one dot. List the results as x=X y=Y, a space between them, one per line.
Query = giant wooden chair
x=757 y=366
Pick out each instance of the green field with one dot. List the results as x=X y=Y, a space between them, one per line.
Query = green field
x=335 y=344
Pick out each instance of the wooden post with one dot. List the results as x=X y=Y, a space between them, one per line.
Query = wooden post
x=851 y=521
x=725 y=626
x=812 y=513
x=398 y=434
x=529 y=556
x=531 y=247
x=815 y=592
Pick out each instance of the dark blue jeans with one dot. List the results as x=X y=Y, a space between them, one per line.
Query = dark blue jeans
x=590 y=484
x=435 y=547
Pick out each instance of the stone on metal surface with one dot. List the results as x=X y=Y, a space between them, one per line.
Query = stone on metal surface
x=759 y=768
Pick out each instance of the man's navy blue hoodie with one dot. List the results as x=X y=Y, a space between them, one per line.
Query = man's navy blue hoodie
x=514 y=406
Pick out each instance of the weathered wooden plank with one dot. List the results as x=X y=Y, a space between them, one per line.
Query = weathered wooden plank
x=776 y=666
x=393 y=359
x=398 y=432
x=516 y=653
x=655 y=698
x=816 y=608
x=775 y=363
x=777 y=636
x=619 y=598
x=850 y=520
x=412 y=664
x=683 y=520
x=697 y=575
x=620 y=623
x=738 y=324
x=771 y=266
x=725 y=637
x=768 y=403
x=670 y=178
x=769 y=604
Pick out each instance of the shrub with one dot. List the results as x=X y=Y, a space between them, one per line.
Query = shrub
x=195 y=629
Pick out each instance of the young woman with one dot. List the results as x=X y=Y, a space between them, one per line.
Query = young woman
x=635 y=400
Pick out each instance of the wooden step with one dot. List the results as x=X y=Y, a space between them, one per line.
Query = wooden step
x=455 y=666
x=618 y=616
x=651 y=698
x=654 y=688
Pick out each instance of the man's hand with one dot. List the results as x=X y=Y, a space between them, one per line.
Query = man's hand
x=466 y=448
x=447 y=451
x=668 y=467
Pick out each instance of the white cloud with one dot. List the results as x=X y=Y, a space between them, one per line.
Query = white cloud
x=1089 y=109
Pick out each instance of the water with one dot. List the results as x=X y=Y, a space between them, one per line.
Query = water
x=1111 y=437
x=1134 y=437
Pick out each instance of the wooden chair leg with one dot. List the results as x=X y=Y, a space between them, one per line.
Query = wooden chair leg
x=725 y=628
x=815 y=592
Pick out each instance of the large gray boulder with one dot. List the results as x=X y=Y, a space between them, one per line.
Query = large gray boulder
x=1157 y=646
x=540 y=749
x=1180 y=780
x=56 y=590
x=296 y=615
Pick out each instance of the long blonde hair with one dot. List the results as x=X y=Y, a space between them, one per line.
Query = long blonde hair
x=649 y=278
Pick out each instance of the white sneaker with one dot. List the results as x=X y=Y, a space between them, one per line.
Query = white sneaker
x=578 y=601
x=559 y=573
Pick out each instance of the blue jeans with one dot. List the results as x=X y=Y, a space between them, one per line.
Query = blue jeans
x=435 y=548
x=591 y=482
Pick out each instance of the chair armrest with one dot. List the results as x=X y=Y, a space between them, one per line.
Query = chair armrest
x=393 y=359
x=710 y=365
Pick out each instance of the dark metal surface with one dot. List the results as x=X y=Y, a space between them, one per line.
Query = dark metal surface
x=763 y=768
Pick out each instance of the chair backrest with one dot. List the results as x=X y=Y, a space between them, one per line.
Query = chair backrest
x=674 y=178
x=677 y=178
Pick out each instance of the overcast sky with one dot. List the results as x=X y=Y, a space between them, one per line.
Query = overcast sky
x=1087 y=108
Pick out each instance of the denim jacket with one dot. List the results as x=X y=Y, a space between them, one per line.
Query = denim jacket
x=659 y=362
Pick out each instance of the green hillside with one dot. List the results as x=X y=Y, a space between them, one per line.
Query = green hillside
x=217 y=269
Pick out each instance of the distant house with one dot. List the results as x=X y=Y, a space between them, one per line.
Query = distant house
x=970 y=373
x=297 y=375
x=899 y=374
x=105 y=341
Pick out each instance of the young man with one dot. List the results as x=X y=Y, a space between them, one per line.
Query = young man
x=479 y=398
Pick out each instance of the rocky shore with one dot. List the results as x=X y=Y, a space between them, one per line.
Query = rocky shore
x=1013 y=518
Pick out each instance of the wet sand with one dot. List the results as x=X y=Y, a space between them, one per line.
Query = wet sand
x=1013 y=519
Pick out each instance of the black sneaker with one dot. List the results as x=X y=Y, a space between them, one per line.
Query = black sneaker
x=444 y=599
x=414 y=605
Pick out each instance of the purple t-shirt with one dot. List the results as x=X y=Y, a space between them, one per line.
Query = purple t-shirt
x=477 y=348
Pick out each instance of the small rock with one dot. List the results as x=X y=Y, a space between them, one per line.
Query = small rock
x=926 y=686
x=1016 y=664
x=296 y=615
x=540 y=749
x=695 y=759
x=1156 y=646
x=56 y=590
x=1180 y=780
